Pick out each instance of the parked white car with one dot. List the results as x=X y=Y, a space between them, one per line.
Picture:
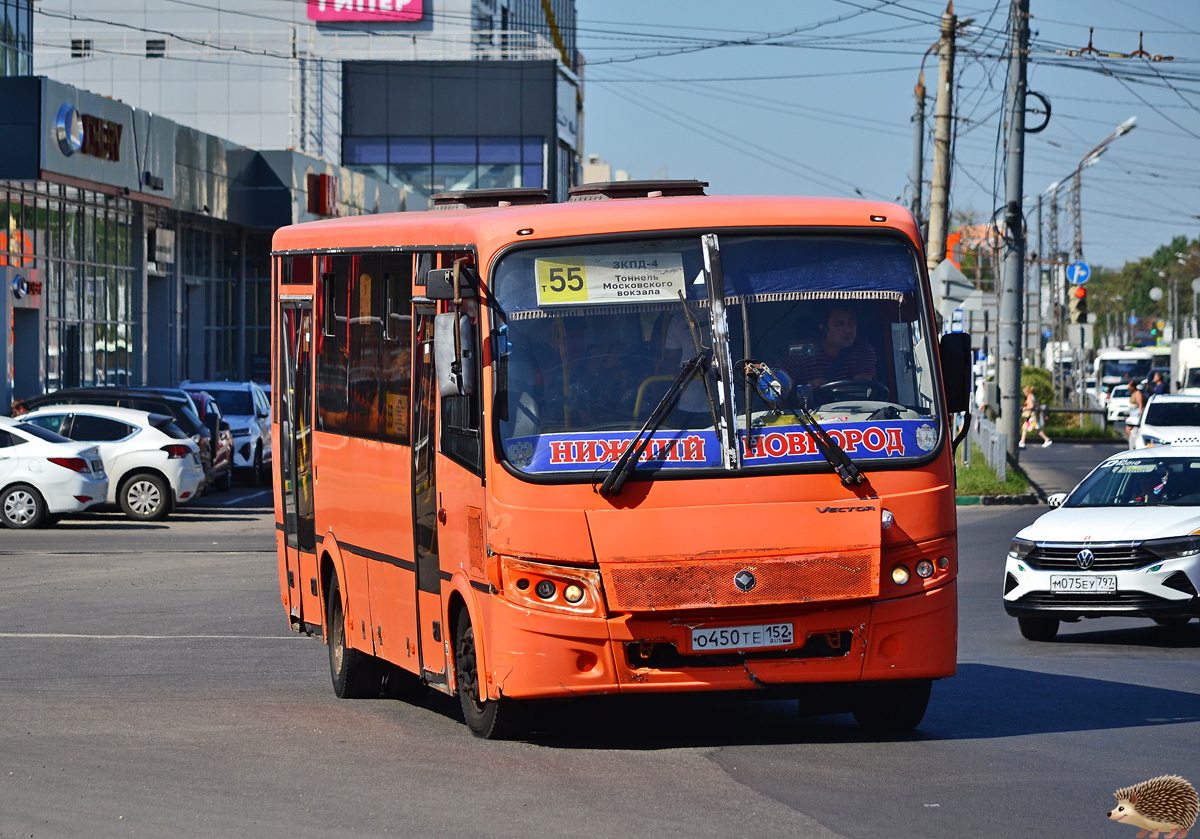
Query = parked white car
x=151 y=463
x=1117 y=403
x=1167 y=420
x=1124 y=543
x=43 y=476
x=247 y=409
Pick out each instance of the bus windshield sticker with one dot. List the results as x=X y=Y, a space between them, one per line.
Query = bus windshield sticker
x=575 y=280
x=683 y=449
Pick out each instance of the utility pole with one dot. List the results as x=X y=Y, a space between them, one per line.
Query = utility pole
x=918 y=174
x=1039 y=275
x=939 y=192
x=1077 y=216
x=1012 y=291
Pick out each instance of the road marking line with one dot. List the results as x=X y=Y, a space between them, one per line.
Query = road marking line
x=233 y=501
x=144 y=637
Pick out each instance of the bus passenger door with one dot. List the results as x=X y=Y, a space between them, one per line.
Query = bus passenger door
x=296 y=441
x=432 y=636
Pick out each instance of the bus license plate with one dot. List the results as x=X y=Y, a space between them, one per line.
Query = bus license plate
x=742 y=637
x=1081 y=584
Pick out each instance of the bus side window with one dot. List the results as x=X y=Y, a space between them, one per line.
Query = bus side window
x=396 y=353
x=365 y=327
x=298 y=270
x=333 y=361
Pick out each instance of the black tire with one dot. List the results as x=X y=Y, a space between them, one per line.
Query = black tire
x=885 y=707
x=355 y=674
x=1173 y=623
x=145 y=497
x=225 y=481
x=491 y=719
x=22 y=507
x=1038 y=629
x=254 y=472
x=262 y=471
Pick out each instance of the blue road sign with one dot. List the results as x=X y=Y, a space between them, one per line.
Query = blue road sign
x=1047 y=333
x=1133 y=320
x=1078 y=272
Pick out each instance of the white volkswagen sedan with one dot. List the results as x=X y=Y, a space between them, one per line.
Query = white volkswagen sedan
x=1167 y=420
x=43 y=476
x=1123 y=543
x=152 y=464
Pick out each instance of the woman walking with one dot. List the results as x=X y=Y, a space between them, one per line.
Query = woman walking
x=1031 y=413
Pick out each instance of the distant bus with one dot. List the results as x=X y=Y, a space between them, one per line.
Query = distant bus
x=1113 y=367
x=618 y=445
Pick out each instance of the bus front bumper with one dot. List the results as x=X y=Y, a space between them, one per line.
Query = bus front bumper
x=541 y=655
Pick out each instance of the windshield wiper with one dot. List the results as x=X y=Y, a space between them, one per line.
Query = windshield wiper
x=770 y=389
x=621 y=470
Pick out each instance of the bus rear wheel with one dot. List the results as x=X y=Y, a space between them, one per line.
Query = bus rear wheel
x=355 y=674
x=897 y=706
x=490 y=719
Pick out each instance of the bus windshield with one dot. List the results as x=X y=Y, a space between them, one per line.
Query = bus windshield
x=590 y=336
x=1125 y=368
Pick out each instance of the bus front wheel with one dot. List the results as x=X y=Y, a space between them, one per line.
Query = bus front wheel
x=490 y=719
x=892 y=706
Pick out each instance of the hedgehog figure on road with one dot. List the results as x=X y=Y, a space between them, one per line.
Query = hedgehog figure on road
x=1168 y=803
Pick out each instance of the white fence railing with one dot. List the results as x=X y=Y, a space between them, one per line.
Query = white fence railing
x=991 y=441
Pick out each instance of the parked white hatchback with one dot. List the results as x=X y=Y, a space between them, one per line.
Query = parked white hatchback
x=1167 y=420
x=43 y=476
x=151 y=463
x=1123 y=543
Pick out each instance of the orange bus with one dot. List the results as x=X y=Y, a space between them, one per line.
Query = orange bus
x=644 y=440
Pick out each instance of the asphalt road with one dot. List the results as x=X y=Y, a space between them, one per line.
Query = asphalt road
x=152 y=689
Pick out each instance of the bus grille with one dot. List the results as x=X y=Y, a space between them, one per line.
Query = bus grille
x=652 y=586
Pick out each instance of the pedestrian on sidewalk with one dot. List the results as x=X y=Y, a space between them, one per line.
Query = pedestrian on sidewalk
x=1031 y=413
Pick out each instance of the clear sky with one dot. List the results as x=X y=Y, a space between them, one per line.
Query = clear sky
x=843 y=119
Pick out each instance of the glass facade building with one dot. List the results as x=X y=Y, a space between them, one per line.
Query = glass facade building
x=16 y=37
x=425 y=166
x=144 y=264
x=439 y=126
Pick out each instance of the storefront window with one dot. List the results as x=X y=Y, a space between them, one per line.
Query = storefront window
x=78 y=244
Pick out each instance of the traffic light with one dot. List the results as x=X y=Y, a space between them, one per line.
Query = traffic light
x=1078 y=305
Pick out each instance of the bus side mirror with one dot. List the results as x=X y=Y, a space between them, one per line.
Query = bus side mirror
x=439 y=283
x=454 y=360
x=955 y=350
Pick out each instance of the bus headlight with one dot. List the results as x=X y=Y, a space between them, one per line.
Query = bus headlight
x=552 y=588
x=924 y=569
x=900 y=575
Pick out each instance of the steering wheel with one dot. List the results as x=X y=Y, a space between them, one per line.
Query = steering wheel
x=844 y=389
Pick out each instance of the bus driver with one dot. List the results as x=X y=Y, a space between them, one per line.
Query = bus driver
x=837 y=354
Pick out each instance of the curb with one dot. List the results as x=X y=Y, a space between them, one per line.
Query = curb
x=996 y=500
x=1091 y=440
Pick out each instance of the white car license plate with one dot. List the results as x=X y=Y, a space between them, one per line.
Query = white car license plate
x=1082 y=584
x=742 y=637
